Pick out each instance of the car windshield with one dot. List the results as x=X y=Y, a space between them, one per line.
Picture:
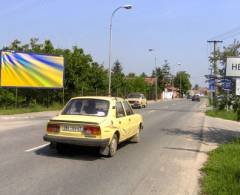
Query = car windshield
x=134 y=95
x=88 y=107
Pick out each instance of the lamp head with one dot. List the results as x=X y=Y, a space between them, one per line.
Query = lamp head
x=127 y=6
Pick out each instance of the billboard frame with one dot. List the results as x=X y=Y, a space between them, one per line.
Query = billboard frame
x=27 y=87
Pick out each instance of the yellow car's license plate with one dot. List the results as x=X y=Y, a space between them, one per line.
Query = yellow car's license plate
x=72 y=128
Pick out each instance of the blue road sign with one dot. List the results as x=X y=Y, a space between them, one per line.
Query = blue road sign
x=211 y=86
x=227 y=84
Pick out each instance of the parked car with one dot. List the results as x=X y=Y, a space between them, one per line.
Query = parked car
x=102 y=122
x=137 y=100
x=189 y=96
x=196 y=98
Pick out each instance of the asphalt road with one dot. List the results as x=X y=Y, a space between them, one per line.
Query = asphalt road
x=164 y=162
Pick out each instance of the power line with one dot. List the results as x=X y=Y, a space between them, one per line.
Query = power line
x=227 y=34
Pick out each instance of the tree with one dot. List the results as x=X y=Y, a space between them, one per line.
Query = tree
x=118 y=79
x=131 y=74
x=166 y=72
x=143 y=75
x=183 y=78
x=158 y=72
x=196 y=87
x=230 y=50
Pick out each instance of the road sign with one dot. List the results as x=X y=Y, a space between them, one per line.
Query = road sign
x=226 y=84
x=233 y=67
x=212 y=86
x=237 y=86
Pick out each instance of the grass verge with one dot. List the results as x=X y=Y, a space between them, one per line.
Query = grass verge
x=230 y=115
x=221 y=173
x=35 y=108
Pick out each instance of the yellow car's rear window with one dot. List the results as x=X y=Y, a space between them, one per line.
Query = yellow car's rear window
x=87 y=107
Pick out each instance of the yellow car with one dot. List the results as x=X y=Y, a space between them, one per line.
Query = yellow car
x=94 y=121
x=137 y=100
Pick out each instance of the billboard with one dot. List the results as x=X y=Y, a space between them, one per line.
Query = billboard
x=233 y=67
x=31 y=70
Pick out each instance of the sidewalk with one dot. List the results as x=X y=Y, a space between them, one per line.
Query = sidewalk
x=219 y=131
x=31 y=115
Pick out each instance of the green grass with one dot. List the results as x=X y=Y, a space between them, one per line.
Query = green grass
x=221 y=173
x=230 y=115
x=35 y=108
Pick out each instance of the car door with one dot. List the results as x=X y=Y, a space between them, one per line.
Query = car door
x=121 y=121
x=130 y=119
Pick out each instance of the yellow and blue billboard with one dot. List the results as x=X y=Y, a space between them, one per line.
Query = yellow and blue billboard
x=31 y=70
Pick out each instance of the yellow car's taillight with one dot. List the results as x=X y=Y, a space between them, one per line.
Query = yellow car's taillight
x=53 y=128
x=92 y=130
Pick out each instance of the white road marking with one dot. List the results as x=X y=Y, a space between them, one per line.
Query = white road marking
x=152 y=111
x=36 y=148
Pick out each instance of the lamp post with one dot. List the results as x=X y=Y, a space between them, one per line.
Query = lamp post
x=156 y=78
x=180 y=78
x=110 y=45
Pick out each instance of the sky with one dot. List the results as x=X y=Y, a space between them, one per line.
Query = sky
x=177 y=30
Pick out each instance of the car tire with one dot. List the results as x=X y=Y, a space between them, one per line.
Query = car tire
x=113 y=146
x=111 y=149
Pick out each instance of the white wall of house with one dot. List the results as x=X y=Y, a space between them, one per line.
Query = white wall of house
x=167 y=95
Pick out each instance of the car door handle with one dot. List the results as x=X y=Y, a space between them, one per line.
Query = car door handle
x=129 y=119
x=120 y=122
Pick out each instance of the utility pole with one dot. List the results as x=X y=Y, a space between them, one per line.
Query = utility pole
x=215 y=68
x=215 y=42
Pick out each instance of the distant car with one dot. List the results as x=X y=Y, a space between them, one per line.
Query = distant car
x=102 y=122
x=189 y=96
x=196 y=98
x=137 y=100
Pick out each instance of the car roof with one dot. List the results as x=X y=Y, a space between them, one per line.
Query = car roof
x=135 y=93
x=108 y=98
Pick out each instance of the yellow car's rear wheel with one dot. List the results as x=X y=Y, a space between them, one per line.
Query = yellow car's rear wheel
x=113 y=146
x=111 y=149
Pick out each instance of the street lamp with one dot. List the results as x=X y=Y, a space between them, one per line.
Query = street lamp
x=156 y=78
x=110 y=45
x=180 y=87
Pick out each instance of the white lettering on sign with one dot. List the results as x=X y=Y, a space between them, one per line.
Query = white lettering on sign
x=233 y=67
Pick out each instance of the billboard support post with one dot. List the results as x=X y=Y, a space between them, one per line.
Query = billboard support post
x=47 y=98
x=227 y=99
x=63 y=94
x=16 y=97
